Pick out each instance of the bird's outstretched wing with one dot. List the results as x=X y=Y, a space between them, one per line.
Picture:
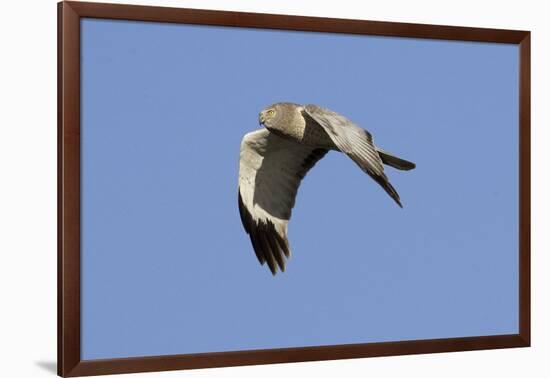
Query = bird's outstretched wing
x=270 y=171
x=355 y=142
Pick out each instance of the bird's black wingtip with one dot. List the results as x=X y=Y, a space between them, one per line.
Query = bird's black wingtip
x=397 y=201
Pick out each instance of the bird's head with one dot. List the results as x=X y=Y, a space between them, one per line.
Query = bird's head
x=276 y=116
x=268 y=116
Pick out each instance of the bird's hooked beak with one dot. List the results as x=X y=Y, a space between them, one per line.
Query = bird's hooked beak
x=261 y=118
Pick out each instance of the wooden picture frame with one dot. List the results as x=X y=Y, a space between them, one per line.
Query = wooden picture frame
x=70 y=362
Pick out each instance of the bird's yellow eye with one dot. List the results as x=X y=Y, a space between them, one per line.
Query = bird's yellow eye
x=271 y=112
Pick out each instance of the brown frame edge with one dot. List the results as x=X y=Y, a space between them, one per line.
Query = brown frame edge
x=69 y=362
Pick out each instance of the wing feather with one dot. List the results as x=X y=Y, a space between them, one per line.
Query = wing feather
x=270 y=171
x=355 y=142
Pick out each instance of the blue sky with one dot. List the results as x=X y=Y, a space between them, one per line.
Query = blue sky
x=166 y=265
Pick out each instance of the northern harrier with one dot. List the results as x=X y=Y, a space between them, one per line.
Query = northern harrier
x=274 y=160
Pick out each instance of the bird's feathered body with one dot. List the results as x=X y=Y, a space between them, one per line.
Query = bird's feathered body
x=274 y=161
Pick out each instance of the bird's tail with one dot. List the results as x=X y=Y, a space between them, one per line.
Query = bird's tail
x=394 y=161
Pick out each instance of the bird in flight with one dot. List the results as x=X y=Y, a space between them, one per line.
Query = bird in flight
x=275 y=159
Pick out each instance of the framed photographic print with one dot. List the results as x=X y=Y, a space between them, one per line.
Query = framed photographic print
x=240 y=188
